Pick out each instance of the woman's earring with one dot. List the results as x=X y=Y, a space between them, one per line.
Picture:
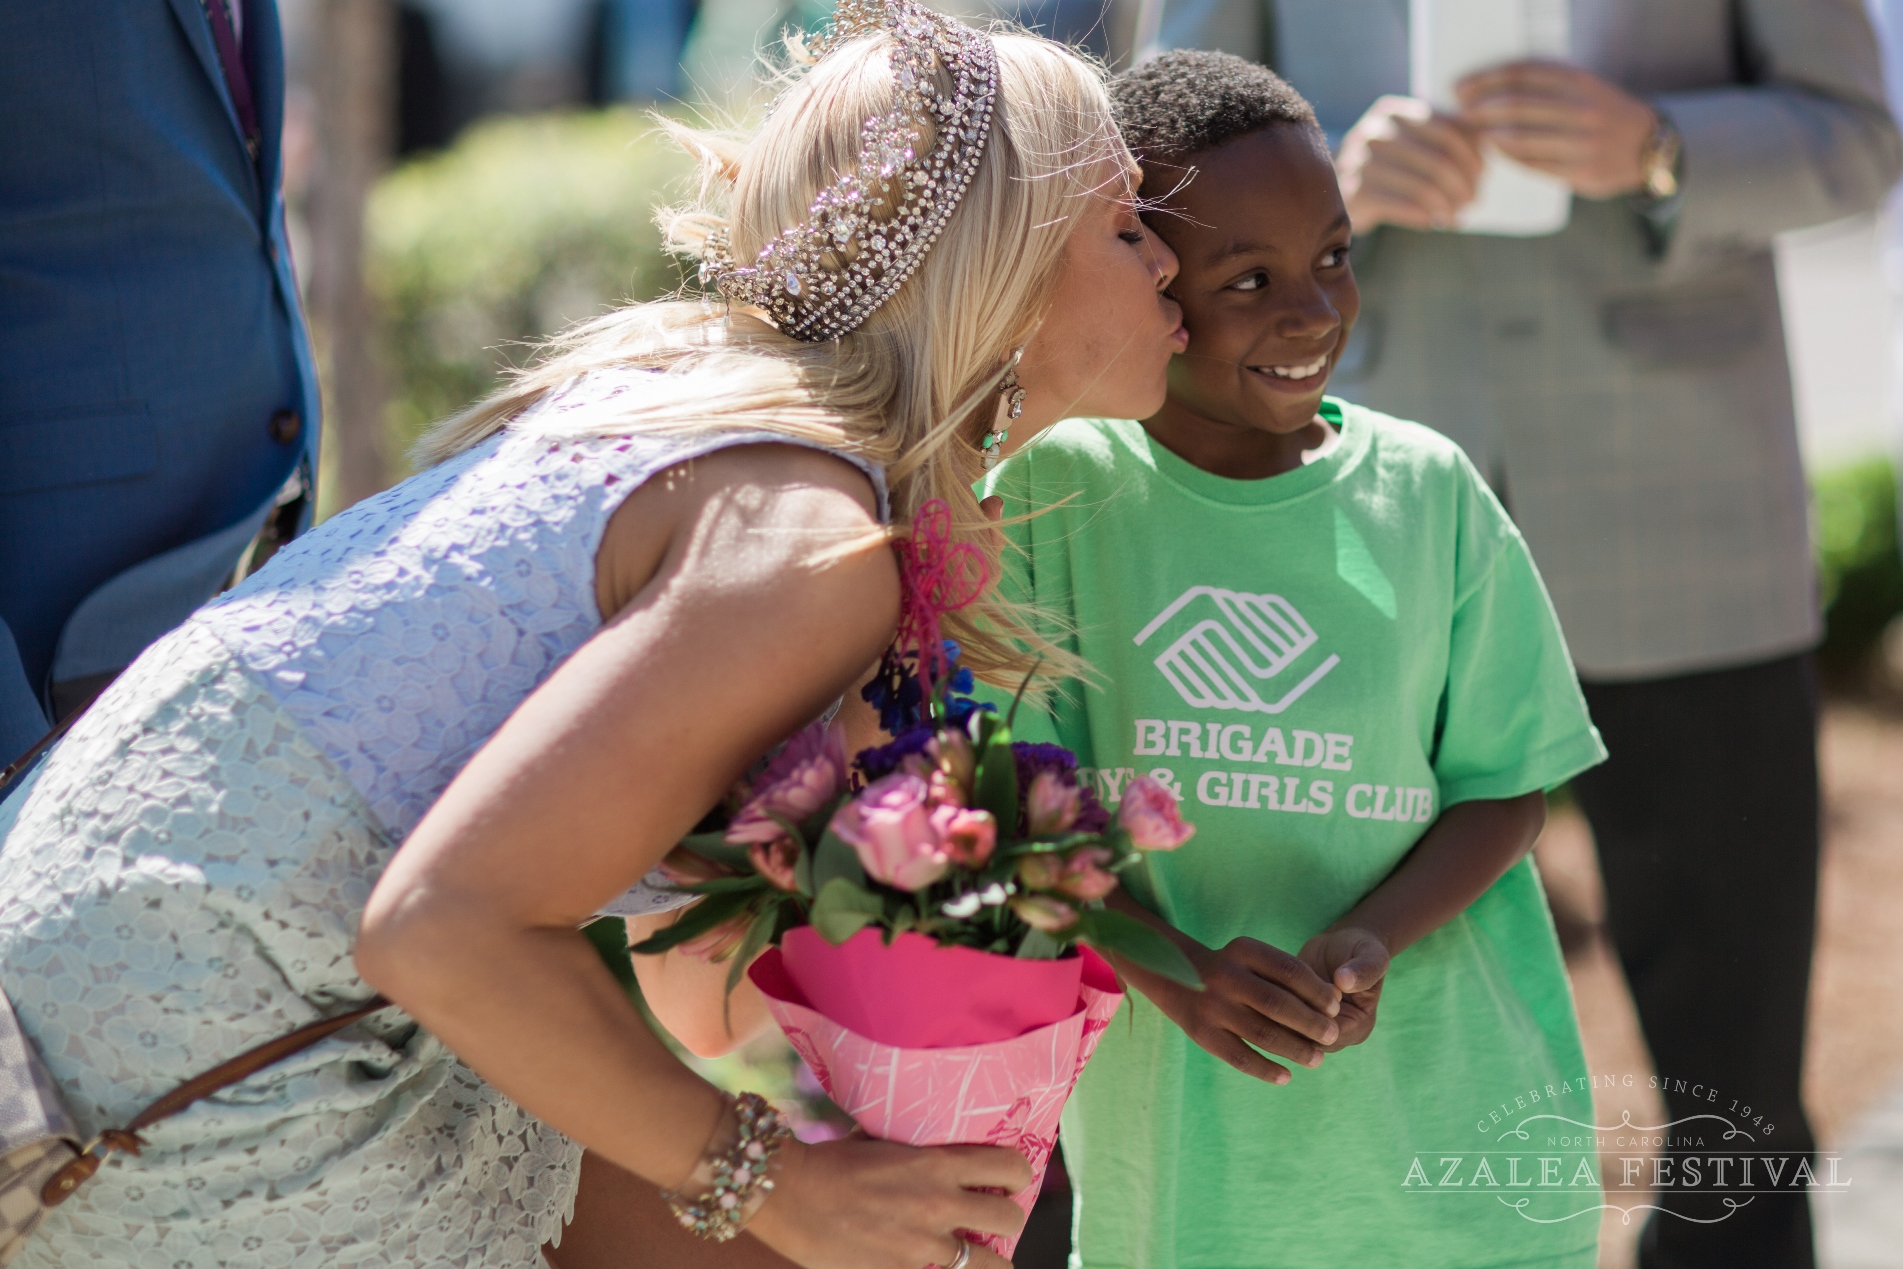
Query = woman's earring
x=1013 y=393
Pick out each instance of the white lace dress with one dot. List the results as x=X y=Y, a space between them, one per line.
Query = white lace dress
x=183 y=876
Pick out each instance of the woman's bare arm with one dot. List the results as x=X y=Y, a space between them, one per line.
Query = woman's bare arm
x=688 y=995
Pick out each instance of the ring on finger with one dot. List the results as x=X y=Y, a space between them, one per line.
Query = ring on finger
x=963 y=1257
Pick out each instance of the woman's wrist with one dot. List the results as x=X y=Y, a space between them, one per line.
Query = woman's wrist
x=736 y=1172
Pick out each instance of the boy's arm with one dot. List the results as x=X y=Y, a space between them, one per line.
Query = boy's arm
x=1254 y=997
x=1469 y=847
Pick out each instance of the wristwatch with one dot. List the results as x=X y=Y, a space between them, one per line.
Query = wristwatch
x=1658 y=161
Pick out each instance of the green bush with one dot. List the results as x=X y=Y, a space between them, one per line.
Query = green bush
x=523 y=227
x=1859 y=572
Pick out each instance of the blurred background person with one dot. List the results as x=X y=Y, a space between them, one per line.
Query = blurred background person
x=158 y=404
x=1624 y=385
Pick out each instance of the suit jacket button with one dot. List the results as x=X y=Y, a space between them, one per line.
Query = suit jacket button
x=285 y=425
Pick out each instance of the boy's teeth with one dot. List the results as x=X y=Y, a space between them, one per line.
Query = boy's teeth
x=1298 y=372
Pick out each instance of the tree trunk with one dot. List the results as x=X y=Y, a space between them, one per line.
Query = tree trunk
x=353 y=80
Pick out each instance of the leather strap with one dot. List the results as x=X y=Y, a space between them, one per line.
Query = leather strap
x=40 y=746
x=246 y=1064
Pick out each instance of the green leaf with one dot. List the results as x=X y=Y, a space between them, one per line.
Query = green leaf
x=758 y=935
x=803 y=871
x=996 y=784
x=833 y=858
x=989 y=725
x=728 y=885
x=843 y=908
x=1039 y=946
x=1048 y=845
x=1018 y=697
x=714 y=846
x=609 y=935
x=715 y=909
x=1137 y=943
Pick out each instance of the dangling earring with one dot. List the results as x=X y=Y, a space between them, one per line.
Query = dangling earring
x=1013 y=393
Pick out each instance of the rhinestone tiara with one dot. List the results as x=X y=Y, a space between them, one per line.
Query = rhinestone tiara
x=823 y=277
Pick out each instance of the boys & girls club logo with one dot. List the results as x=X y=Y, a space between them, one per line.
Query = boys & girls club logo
x=1235 y=648
x=1548 y=1167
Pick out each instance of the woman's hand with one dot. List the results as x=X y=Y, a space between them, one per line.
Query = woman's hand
x=1254 y=997
x=858 y=1204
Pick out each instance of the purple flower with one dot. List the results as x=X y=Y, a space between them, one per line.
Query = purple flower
x=1051 y=805
x=876 y=764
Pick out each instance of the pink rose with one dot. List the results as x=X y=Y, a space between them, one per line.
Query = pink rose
x=1085 y=876
x=890 y=826
x=942 y=791
x=952 y=751
x=1148 y=814
x=1041 y=871
x=776 y=862
x=683 y=867
x=1052 y=805
x=1041 y=912
x=969 y=836
x=803 y=777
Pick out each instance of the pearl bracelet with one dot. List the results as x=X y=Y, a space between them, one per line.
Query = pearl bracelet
x=733 y=1181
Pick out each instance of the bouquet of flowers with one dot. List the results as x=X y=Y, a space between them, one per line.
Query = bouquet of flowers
x=956 y=835
x=927 y=912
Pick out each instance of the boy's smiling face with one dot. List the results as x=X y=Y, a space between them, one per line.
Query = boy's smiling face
x=1268 y=298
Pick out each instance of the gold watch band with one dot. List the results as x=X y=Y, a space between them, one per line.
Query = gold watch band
x=1658 y=162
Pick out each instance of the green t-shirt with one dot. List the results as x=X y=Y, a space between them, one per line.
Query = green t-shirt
x=1319 y=663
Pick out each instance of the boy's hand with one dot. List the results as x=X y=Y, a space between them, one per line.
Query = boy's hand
x=1355 y=962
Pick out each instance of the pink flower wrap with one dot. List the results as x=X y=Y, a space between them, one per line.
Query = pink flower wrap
x=1006 y=1093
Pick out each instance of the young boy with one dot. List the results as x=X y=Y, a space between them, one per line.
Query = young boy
x=1319 y=626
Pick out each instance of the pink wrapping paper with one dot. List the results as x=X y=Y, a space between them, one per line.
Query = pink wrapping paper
x=1006 y=1093
x=914 y=994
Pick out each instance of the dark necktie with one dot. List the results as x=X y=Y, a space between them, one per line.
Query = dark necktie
x=237 y=83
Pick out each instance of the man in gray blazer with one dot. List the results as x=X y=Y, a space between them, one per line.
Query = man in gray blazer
x=1624 y=384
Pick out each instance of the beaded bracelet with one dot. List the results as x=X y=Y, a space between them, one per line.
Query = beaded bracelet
x=739 y=1177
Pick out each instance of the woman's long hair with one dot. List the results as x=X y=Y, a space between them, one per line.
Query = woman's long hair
x=913 y=388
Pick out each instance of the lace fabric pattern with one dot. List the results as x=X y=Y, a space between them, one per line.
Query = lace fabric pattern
x=182 y=879
x=183 y=876
x=402 y=632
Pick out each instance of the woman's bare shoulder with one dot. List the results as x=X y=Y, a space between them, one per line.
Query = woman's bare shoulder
x=745 y=516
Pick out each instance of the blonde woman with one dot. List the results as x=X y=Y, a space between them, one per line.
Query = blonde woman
x=434 y=736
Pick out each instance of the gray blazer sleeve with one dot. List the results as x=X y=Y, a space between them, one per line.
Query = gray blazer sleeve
x=1810 y=140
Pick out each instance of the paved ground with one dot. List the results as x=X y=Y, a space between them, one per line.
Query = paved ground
x=1854 y=1074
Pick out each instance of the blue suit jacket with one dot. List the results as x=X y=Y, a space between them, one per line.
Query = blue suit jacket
x=149 y=330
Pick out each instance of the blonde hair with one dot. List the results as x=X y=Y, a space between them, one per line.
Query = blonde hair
x=913 y=388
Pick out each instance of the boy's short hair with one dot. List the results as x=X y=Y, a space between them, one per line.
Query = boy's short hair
x=1191 y=100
